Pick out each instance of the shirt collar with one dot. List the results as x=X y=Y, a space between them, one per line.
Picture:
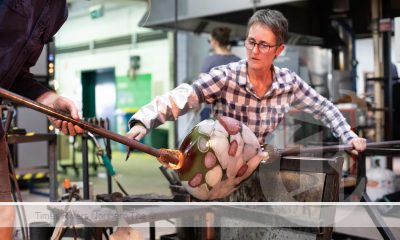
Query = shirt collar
x=242 y=72
x=275 y=79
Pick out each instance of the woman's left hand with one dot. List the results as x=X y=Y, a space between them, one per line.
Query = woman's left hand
x=359 y=145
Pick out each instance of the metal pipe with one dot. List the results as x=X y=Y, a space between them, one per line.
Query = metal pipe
x=175 y=63
x=85 y=125
x=85 y=168
x=335 y=148
x=378 y=96
x=386 y=71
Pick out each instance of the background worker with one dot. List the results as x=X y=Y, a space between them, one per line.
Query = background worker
x=222 y=55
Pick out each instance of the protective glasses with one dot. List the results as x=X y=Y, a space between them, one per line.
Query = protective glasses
x=262 y=46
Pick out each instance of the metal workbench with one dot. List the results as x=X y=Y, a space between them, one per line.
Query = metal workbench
x=51 y=138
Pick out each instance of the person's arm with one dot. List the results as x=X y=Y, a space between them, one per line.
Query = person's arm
x=165 y=107
x=308 y=100
x=27 y=86
x=176 y=103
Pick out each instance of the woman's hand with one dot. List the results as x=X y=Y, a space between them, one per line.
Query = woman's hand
x=137 y=132
x=359 y=145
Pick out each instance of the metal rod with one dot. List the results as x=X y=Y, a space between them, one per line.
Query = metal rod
x=376 y=217
x=85 y=168
x=109 y=155
x=85 y=125
x=361 y=176
x=335 y=148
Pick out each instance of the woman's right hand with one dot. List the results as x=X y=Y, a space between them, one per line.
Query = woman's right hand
x=137 y=132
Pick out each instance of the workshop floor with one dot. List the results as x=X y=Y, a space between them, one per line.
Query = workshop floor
x=139 y=174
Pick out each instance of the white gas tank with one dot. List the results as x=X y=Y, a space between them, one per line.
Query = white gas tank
x=379 y=182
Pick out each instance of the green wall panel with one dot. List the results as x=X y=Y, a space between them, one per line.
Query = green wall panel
x=133 y=93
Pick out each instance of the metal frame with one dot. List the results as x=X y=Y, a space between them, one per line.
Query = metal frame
x=330 y=167
x=85 y=155
x=52 y=139
x=373 y=212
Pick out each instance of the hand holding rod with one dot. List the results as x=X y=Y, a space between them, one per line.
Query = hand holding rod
x=165 y=156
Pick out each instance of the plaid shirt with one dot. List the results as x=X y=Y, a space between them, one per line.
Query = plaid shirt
x=231 y=93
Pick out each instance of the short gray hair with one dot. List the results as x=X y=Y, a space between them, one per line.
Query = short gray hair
x=274 y=20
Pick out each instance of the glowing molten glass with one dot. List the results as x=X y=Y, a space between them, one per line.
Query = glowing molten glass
x=172 y=159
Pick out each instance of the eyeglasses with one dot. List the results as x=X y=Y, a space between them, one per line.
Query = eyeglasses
x=263 y=47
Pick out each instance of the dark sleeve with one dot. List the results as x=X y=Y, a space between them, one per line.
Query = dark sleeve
x=27 y=86
x=206 y=67
x=394 y=71
x=236 y=58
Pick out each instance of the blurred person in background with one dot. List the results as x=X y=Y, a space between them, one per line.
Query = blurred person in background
x=394 y=71
x=220 y=44
x=222 y=55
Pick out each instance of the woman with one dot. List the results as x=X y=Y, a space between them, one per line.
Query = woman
x=252 y=90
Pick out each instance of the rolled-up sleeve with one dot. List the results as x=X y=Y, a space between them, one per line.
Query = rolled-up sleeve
x=166 y=107
x=180 y=100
